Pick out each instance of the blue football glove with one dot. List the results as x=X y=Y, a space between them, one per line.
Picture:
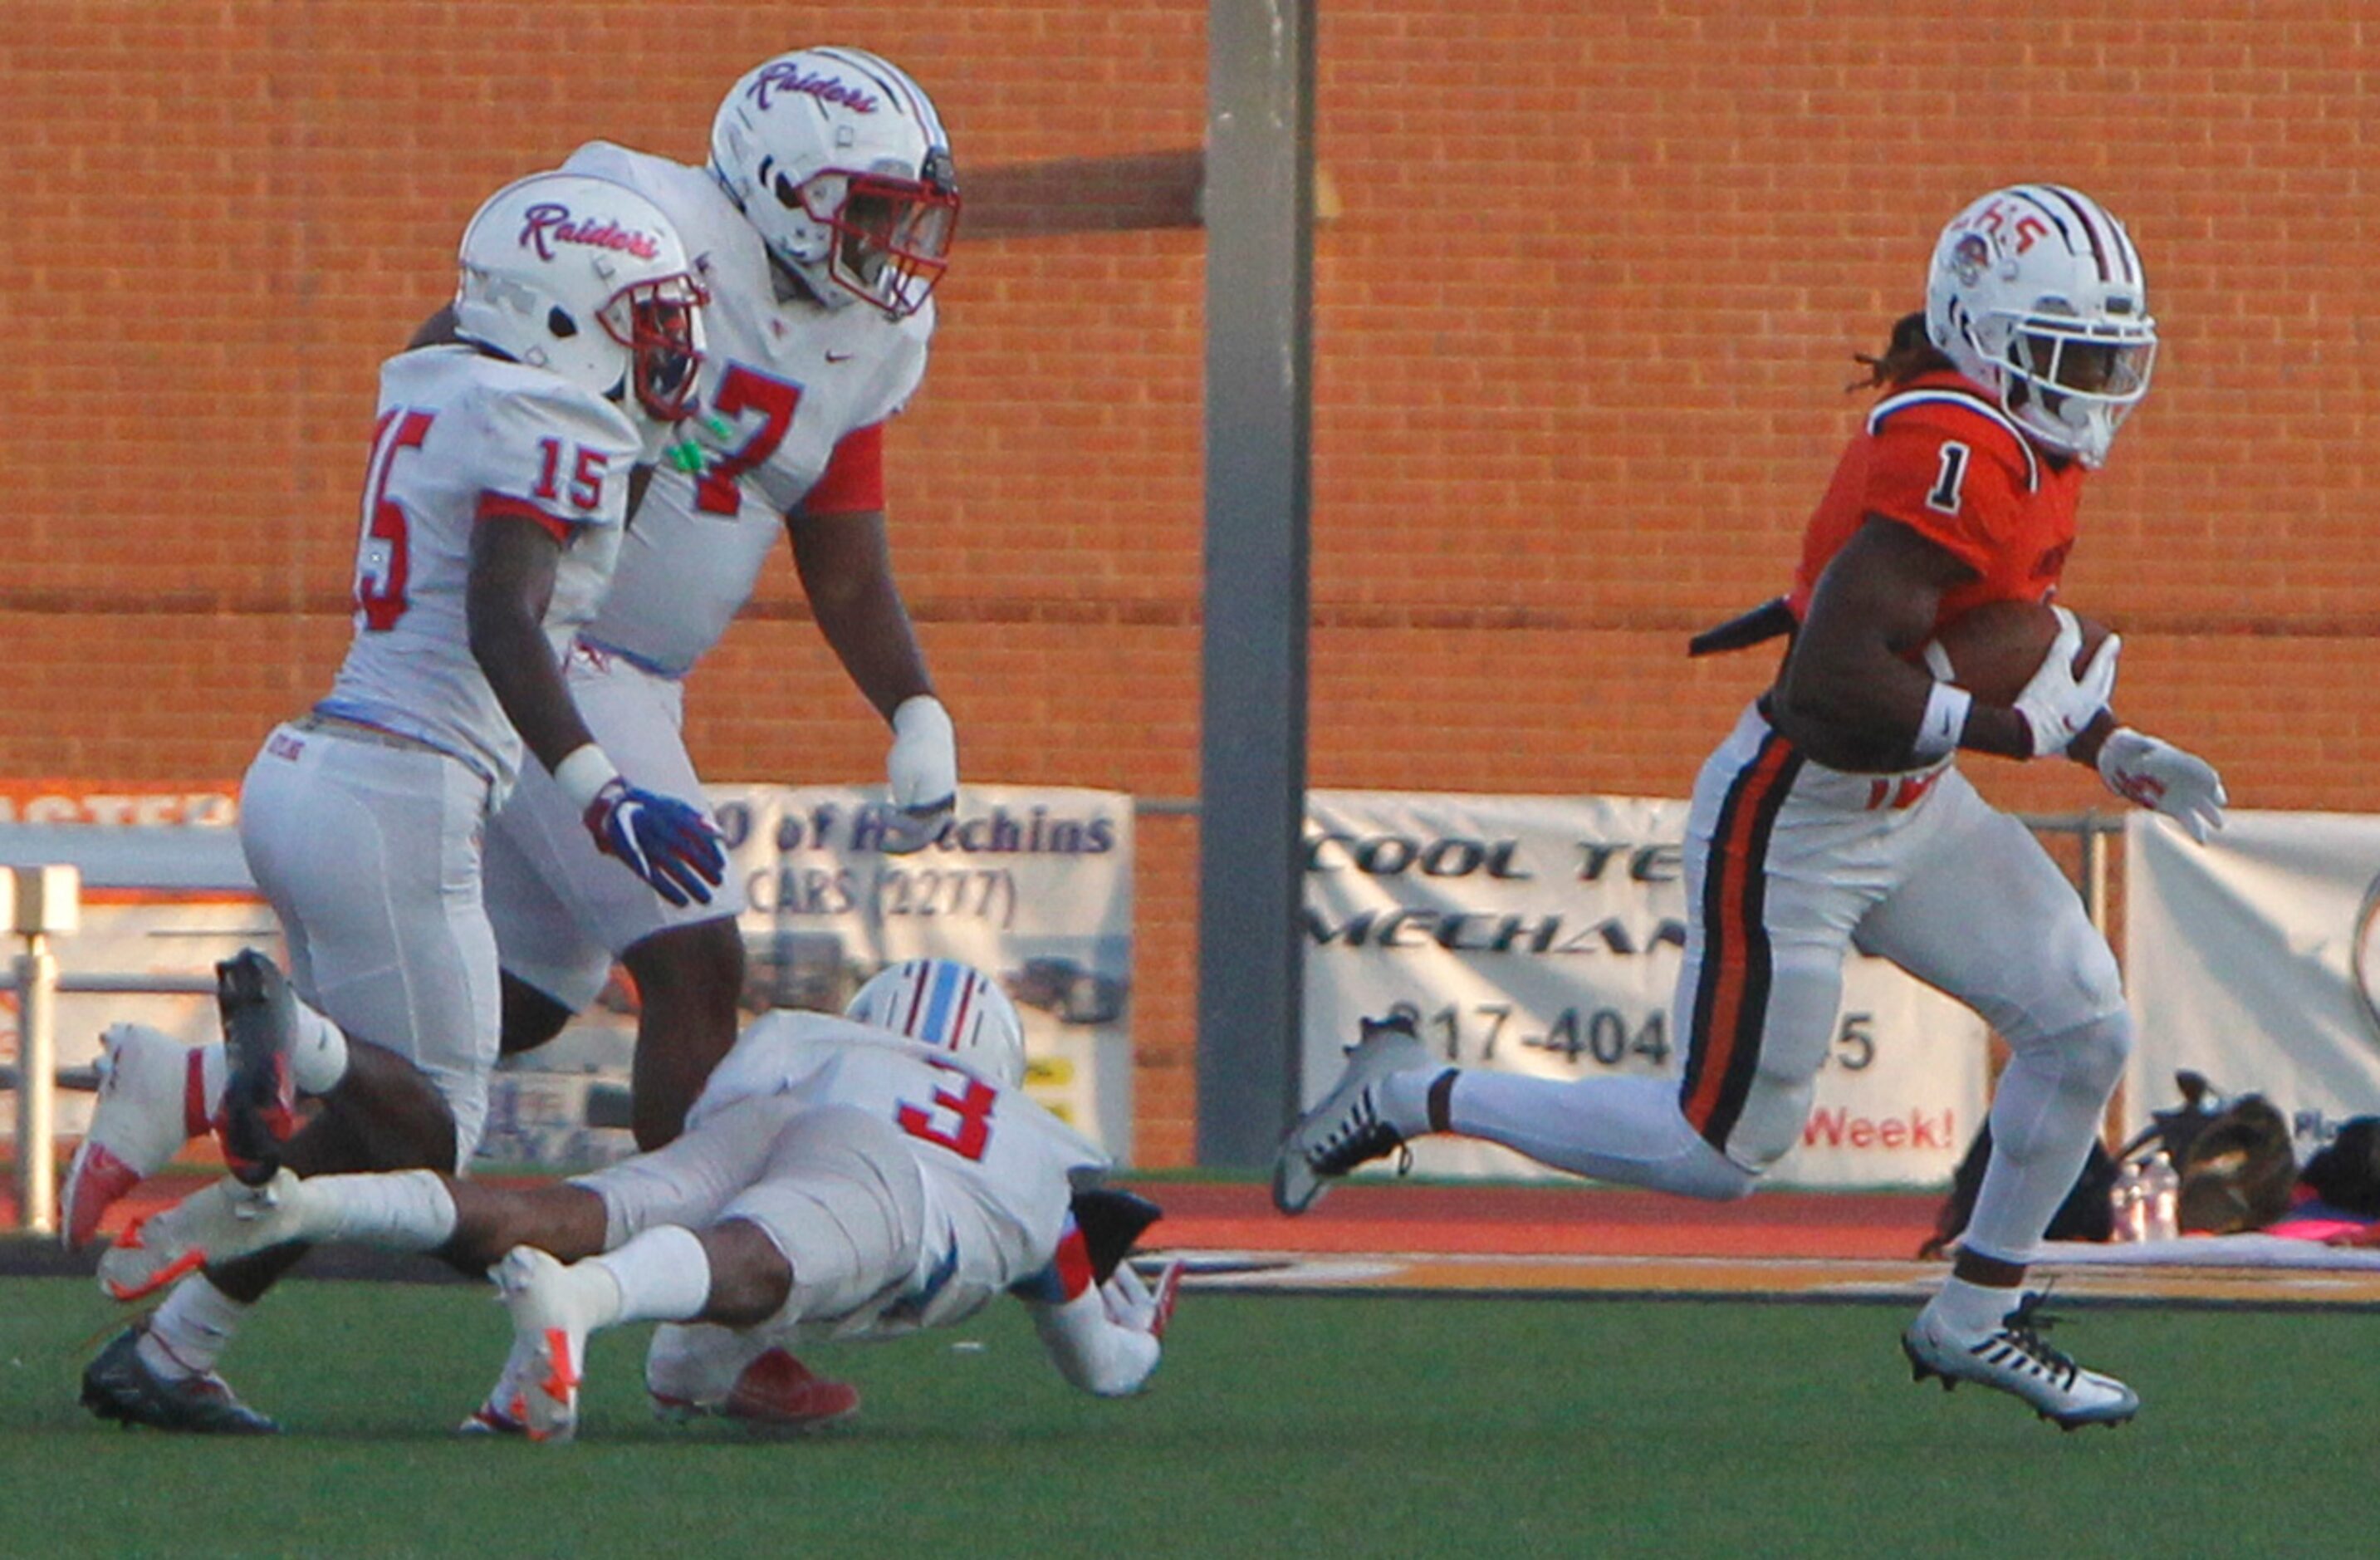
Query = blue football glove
x=662 y=840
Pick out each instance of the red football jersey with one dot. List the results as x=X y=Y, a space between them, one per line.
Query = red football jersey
x=1940 y=457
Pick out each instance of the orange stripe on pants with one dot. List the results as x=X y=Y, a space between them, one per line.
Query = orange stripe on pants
x=1729 y=939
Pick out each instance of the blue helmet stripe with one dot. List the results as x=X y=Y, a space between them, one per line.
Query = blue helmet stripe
x=941 y=997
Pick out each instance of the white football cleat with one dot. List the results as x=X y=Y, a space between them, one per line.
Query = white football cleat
x=152 y=1101
x=2012 y=1358
x=215 y=1223
x=554 y=1306
x=505 y=1411
x=1345 y=1129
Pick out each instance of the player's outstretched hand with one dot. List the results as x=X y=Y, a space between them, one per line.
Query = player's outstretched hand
x=922 y=773
x=2059 y=702
x=2158 y=774
x=1134 y=1303
x=664 y=841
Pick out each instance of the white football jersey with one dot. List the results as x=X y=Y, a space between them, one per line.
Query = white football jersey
x=998 y=1168
x=461 y=436
x=787 y=380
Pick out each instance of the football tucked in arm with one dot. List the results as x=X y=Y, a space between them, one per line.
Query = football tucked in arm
x=1993 y=651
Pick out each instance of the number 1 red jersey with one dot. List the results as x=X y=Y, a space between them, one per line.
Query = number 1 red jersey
x=1937 y=455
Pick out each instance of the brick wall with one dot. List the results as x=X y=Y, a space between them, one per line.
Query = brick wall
x=1582 y=325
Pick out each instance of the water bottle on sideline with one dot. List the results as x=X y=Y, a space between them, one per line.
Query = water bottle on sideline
x=2128 y=1204
x=2161 y=1188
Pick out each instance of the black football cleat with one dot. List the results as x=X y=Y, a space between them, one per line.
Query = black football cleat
x=119 y=1384
x=260 y=1102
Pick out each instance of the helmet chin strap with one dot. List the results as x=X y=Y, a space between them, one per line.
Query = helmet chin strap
x=791 y=286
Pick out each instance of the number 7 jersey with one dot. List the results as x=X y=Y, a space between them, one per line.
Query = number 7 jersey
x=463 y=437
x=794 y=397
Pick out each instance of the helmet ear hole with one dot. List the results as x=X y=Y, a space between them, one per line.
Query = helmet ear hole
x=559 y=322
x=788 y=196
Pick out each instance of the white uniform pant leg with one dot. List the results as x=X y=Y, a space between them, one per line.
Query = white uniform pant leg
x=689 y=1180
x=836 y=1189
x=564 y=910
x=369 y=855
x=1781 y=860
x=844 y=1200
x=1987 y=916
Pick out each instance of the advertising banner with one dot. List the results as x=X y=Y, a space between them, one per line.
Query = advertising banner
x=1033 y=885
x=1030 y=883
x=2255 y=959
x=1542 y=935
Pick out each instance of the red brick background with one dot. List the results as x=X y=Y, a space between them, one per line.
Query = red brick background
x=1583 y=322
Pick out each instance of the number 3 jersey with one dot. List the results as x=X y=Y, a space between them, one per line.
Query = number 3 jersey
x=463 y=437
x=795 y=396
x=998 y=1168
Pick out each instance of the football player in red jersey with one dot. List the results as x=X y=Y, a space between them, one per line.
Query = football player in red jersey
x=1832 y=815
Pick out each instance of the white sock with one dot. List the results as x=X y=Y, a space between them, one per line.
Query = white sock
x=665 y=1275
x=318 y=1059
x=404 y=1211
x=189 y=1333
x=1968 y=1307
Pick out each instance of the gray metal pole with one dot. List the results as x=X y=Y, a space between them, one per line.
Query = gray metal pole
x=1259 y=217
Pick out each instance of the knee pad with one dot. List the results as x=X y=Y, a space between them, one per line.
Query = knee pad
x=2079 y=988
x=2096 y=1052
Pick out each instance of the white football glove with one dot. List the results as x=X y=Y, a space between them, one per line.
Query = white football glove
x=2158 y=774
x=1132 y=1304
x=2057 y=704
x=922 y=771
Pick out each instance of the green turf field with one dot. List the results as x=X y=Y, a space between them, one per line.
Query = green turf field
x=1306 y=1427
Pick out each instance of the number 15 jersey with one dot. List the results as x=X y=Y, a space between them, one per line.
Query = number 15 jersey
x=464 y=437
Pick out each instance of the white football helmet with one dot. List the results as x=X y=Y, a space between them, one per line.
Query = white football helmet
x=838 y=160
x=586 y=278
x=2037 y=295
x=951 y=1006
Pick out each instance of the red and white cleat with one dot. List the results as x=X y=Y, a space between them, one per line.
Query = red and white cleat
x=223 y=1220
x=554 y=1306
x=152 y=1101
x=701 y=1371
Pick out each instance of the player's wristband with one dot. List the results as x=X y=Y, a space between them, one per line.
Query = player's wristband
x=1944 y=722
x=586 y=772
